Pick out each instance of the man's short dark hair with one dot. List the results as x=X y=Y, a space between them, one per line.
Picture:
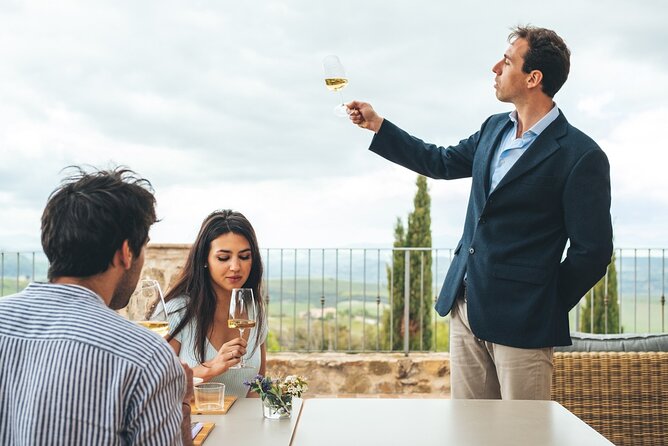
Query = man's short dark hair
x=89 y=216
x=547 y=53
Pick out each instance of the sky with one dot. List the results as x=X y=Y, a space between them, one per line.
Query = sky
x=223 y=105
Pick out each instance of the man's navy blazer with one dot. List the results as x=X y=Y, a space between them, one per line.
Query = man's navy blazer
x=520 y=287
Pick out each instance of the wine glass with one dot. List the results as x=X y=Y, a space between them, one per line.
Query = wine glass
x=336 y=80
x=147 y=307
x=242 y=314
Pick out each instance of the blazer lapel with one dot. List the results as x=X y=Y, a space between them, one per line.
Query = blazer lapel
x=493 y=140
x=544 y=146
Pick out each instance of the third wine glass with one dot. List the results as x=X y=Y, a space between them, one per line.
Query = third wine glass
x=336 y=80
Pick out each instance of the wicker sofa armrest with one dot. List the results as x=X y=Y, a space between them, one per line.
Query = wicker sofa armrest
x=621 y=394
x=587 y=342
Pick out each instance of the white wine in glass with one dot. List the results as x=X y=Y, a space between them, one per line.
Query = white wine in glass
x=336 y=80
x=147 y=307
x=242 y=314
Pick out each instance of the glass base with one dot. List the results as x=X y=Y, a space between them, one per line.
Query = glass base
x=341 y=111
x=276 y=412
x=239 y=366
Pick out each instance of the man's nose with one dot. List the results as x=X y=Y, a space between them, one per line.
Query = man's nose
x=496 y=69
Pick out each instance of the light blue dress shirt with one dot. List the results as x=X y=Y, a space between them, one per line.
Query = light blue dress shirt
x=511 y=148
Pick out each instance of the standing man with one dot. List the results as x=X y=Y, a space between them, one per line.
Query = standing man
x=72 y=371
x=537 y=183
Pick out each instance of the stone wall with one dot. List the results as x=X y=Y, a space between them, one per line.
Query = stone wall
x=330 y=373
x=366 y=373
x=163 y=262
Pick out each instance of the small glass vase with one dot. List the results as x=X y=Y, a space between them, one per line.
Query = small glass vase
x=275 y=411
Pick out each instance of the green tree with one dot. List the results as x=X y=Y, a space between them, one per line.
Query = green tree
x=418 y=235
x=603 y=303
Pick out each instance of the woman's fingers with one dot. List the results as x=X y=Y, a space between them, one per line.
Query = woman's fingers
x=232 y=351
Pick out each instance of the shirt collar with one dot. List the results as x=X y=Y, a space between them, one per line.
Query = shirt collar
x=542 y=124
x=81 y=291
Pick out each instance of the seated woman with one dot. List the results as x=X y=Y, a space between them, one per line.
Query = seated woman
x=225 y=255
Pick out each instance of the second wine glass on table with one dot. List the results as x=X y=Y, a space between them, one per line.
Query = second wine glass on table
x=242 y=314
x=336 y=80
x=148 y=307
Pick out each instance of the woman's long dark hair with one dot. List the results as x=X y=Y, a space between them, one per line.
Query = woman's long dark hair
x=195 y=280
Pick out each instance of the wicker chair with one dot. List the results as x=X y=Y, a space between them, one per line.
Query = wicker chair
x=621 y=394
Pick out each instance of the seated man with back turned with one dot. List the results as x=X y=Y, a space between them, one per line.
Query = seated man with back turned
x=72 y=371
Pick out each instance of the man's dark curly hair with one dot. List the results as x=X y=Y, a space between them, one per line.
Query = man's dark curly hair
x=89 y=216
x=547 y=53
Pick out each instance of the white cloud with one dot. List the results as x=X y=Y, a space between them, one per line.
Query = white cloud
x=223 y=105
x=596 y=106
x=638 y=158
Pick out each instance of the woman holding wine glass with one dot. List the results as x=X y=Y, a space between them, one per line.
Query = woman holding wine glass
x=207 y=331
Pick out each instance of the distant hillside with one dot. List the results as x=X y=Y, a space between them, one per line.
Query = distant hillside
x=346 y=272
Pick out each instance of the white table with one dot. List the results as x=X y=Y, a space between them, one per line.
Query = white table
x=405 y=421
x=244 y=424
x=441 y=422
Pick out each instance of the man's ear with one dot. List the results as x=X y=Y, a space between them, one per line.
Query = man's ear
x=124 y=255
x=534 y=79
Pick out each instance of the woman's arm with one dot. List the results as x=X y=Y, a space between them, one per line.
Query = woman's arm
x=228 y=355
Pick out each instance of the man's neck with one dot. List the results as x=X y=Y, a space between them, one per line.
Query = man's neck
x=529 y=113
x=97 y=284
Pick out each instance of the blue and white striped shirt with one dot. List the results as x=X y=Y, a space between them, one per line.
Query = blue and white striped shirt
x=72 y=371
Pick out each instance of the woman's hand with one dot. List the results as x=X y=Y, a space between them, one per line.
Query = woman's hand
x=229 y=354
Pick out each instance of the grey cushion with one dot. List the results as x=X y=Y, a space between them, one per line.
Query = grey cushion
x=587 y=342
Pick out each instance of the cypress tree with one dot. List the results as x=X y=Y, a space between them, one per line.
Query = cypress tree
x=603 y=303
x=417 y=235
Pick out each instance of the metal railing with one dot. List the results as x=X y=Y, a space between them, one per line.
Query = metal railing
x=343 y=299
x=17 y=269
x=313 y=304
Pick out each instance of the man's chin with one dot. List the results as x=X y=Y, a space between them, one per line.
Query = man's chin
x=119 y=302
x=501 y=98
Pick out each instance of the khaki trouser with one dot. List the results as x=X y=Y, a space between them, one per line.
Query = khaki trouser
x=484 y=370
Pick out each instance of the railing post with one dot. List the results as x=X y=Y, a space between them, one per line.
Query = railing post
x=391 y=301
x=649 y=290
x=407 y=293
x=280 y=304
x=663 y=289
x=378 y=304
x=350 y=299
x=364 y=302
x=2 y=273
x=591 y=311
x=294 y=309
x=421 y=300
x=635 y=290
x=18 y=271
x=434 y=339
x=605 y=301
x=322 y=305
x=620 y=289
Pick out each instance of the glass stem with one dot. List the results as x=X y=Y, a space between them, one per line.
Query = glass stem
x=241 y=360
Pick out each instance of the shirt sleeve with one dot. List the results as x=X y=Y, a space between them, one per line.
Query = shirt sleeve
x=154 y=413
